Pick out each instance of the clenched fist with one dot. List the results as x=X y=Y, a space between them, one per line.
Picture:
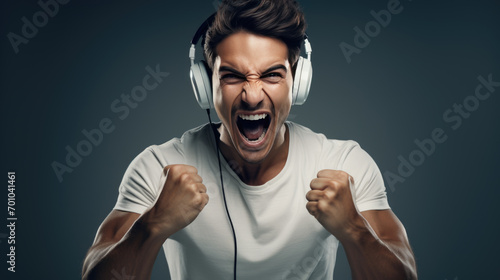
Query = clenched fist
x=330 y=201
x=181 y=199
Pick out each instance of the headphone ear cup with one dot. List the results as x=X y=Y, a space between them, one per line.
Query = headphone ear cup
x=202 y=87
x=302 y=81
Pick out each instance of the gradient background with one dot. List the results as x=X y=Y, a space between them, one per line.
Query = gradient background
x=395 y=91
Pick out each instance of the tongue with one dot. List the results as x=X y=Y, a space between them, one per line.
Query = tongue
x=253 y=130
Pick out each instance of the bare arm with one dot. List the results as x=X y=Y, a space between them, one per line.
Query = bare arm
x=127 y=243
x=122 y=246
x=375 y=241
x=378 y=247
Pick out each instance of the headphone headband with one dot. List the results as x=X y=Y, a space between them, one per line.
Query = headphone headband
x=203 y=29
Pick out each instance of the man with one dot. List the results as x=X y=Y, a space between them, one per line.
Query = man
x=292 y=194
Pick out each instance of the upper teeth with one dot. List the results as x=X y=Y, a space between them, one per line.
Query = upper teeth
x=253 y=117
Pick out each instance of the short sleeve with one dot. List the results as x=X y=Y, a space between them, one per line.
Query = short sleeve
x=369 y=186
x=140 y=184
x=346 y=155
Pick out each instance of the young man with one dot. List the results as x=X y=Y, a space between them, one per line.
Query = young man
x=292 y=194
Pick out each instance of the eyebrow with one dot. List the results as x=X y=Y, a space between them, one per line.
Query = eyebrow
x=234 y=71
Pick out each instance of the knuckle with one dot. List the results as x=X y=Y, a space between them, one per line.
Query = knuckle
x=203 y=187
x=172 y=170
x=197 y=200
x=333 y=185
x=198 y=178
x=330 y=185
x=328 y=195
x=174 y=167
x=322 y=206
x=191 y=169
x=344 y=175
x=192 y=188
x=200 y=200
x=185 y=178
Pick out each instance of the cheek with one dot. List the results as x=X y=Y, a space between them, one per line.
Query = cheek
x=288 y=84
x=287 y=97
x=218 y=102
x=223 y=100
x=281 y=99
x=218 y=94
x=287 y=92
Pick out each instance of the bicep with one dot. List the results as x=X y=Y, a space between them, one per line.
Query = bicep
x=114 y=227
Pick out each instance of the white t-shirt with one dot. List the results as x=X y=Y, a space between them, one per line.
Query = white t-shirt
x=277 y=237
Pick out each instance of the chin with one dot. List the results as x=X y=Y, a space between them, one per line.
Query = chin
x=253 y=157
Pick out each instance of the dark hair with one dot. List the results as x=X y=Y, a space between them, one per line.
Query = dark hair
x=279 y=19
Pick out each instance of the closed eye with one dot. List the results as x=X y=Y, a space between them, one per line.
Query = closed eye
x=273 y=77
x=232 y=78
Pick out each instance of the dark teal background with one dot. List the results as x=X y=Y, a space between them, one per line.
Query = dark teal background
x=395 y=91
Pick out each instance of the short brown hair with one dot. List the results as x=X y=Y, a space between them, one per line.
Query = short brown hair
x=279 y=19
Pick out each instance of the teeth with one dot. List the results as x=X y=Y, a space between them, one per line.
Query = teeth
x=253 y=117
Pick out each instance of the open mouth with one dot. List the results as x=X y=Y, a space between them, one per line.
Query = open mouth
x=253 y=127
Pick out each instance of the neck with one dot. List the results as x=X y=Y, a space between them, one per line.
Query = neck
x=256 y=174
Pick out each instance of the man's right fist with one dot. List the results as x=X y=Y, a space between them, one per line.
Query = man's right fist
x=181 y=199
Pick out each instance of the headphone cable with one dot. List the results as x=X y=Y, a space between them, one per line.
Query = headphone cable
x=224 y=195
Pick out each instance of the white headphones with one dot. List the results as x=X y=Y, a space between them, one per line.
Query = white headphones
x=201 y=80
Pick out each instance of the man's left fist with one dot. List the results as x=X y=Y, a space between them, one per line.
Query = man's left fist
x=330 y=201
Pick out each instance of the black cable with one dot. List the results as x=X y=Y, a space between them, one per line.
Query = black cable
x=224 y=194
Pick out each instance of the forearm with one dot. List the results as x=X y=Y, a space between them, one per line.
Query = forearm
x=134 y=255
x=373 y=258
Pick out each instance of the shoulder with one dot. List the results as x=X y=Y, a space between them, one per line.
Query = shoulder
x=174 y=150
x=327 y=147
x=348 y=156
x=304 y=135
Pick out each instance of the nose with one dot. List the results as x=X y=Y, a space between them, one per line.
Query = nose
x=253 y=93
